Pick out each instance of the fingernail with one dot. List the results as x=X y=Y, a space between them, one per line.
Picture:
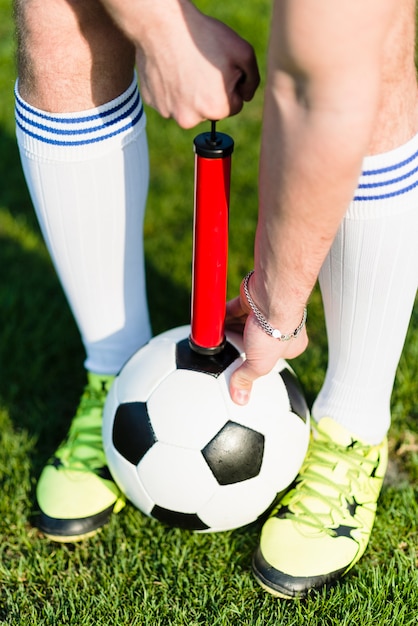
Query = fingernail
x=241 y=396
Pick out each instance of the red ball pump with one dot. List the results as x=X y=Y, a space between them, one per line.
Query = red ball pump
x=213 y=152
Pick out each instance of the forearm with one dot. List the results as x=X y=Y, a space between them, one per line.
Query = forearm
x=309 y=167
x=140 y=20
x=317 y=125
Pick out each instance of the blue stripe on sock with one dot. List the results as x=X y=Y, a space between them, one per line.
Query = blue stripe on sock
x=389 y=168
x=56 y=142
x=84 y=131
x=381 y=186
x=77 y=120
x=392 y=194
x=387 y=182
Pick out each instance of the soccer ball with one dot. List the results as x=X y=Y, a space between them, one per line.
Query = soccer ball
x=184 y=453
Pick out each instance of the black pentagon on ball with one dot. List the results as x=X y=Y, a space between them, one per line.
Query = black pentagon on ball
x=214 y=364
x=295 y=392
x=132 y=433
x=188 y=521
x=235 y=453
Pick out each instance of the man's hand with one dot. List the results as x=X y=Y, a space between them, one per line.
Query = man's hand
x=191 y=66
x=199 y=69
x=262 y=351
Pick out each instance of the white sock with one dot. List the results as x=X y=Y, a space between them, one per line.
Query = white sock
x=368 y=284
x=87 y=173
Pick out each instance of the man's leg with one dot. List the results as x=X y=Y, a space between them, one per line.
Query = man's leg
x=81 y=133
x=368 y=284
x=321 y=528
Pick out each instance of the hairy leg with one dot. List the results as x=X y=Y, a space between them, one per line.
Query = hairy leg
x=81 y=135
x=71 y=56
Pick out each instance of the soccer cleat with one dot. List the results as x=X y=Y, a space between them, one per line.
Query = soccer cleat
x=322 y=525
x=76 y=494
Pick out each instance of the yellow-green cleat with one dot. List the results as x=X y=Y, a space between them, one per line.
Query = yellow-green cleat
x=322 y=525
x=75 y=492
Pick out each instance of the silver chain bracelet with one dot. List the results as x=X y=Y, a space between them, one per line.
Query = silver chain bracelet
x=268 y=328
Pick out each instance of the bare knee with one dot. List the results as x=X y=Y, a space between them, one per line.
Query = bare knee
x=70 y=54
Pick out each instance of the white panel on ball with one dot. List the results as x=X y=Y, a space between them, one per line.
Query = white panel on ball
x=154 y=361
x=195 y=405
x=176 y=478
x=282 y=461
x=130 y=484
x=268 y=401
x=236 y=505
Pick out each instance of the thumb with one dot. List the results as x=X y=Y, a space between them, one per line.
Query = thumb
x=241 y=383
x=261 y=354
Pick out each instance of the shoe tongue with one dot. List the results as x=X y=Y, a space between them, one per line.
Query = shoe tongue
x=99 y=382
x=334 y=431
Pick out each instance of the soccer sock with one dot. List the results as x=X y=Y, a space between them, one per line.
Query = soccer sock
x=87 y=173
x=368 y=284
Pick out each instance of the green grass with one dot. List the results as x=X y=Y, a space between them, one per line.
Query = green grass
x=137 y=572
